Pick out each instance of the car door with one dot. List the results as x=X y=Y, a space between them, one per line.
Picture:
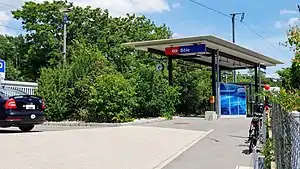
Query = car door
x=3 y=98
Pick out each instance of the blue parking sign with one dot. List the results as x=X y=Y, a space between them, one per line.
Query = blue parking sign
x=2 y=66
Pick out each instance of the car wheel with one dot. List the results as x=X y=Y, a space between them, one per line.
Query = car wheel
x=26 y=128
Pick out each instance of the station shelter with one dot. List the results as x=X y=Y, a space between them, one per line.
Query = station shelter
x=220 y=55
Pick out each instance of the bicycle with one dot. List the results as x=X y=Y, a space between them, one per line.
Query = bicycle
x=255 y=127
x=254 y=133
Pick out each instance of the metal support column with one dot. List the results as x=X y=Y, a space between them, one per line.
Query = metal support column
x=250 y=99
x=256 y=83
x=213 y=77
x=170 y=70
x=218 y=97
x=259 y=77
x=220 y=75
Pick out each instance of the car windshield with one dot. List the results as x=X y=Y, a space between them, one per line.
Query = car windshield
x=11 y=92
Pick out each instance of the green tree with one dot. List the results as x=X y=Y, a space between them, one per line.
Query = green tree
x=112 y=99
x=195 y=87
x=286 y=77
x=90 y=89
x=43 y=22
x=53 y=86
x=100 y=63
x=291 y=75
x=154 y=95
x=11 y=51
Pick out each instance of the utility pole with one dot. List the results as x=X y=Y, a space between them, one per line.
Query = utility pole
x=65 y=39
x=233 y=15
x=65 y=19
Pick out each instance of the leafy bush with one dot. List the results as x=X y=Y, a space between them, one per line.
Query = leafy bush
x=53 y=86
x=111 y=99
x=268 y=152
x=90 y=89
x=195 y=89
x=86 y=65
x=288 y=100
x=66 y=89
x=154 y=95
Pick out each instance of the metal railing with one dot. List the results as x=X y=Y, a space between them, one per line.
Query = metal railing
x=286 y=137
x=27 y=87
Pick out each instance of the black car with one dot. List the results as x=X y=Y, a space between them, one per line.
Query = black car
x=18 y=109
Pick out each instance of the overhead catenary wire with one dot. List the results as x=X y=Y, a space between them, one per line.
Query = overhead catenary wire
x=212 y=9
x=11 y=27
x=253 y=31
x=226 y=15
x=8 y=26
x=5 y=4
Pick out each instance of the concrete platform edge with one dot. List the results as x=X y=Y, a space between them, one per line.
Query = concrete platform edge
x=78 y=123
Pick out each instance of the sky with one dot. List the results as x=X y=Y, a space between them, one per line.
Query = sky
x=270 y=19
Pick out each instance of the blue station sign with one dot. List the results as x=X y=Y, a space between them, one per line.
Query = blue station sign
x=185 y=49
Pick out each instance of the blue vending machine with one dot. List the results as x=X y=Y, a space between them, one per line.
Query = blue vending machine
x=233 y=99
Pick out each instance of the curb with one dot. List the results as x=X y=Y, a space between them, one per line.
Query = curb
x=79 y=123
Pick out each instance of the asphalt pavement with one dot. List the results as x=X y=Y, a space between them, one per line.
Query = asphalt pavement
x=44 y=128
x=224 y=148
x=126 y=147
x=189 y=143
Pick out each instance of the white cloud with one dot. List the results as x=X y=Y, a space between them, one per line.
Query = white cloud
x=285 y=11
x=121 y=7
x=115 y=7
x=273 y=76
x=176 y=35
x=291 y=22
x=270 y=47
x=5 y=18
x=176 y=5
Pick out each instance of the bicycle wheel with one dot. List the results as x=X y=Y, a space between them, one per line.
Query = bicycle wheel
x=251 y=146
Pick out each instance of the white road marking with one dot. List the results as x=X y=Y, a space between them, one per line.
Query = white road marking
x=242 y=167
x=174 y=156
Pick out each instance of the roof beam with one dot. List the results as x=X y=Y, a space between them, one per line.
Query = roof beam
x=185 y=58
x=155 y=51
x=194 y=59
x=234 y=58
x=204 y=63
x=211 y=42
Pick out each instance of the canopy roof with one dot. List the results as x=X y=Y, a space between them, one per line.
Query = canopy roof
x=232 y=56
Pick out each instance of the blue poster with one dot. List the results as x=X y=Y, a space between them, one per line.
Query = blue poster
x=233 y=99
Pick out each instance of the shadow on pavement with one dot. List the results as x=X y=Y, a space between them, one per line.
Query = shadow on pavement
x=3 y=131
x=213 y=139
x=192 y=116
x=242 y=137
x=181 y=123
x=243 y=145
x=246 y=152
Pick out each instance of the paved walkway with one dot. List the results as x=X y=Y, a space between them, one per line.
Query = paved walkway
x=128 y=147
x=182 y=143
x=224 y=148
